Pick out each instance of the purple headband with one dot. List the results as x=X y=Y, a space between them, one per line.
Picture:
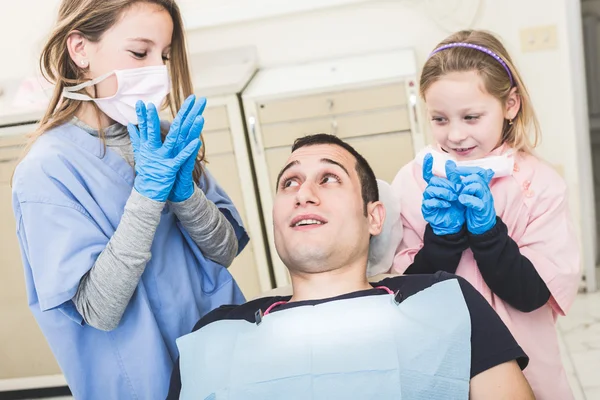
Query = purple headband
x=480 y=48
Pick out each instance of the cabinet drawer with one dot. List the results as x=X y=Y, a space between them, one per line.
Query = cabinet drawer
x=9 y=155
x=6 y=170
x=335 y=103
x=276 y=159
x=217 y=142
x=215 y=118
x=386 y=154
x=25 y=352
x=244 y=269
x=216 y=130
x=376 y=122
x=12 y=140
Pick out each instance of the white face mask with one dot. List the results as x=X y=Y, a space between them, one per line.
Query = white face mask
x=502 y=165
x=148 y=84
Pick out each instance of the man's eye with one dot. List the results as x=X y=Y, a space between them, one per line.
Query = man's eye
x=289 y=183
x=330 y=178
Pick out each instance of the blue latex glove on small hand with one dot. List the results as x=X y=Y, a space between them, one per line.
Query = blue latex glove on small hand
x=156 y=164
x=189 y=122
x=477 y=197
x=440 y=207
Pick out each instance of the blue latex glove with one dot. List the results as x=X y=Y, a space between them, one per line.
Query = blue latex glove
x=440 y=200
x=189 y=122
x=156 y=164
x=477 y=197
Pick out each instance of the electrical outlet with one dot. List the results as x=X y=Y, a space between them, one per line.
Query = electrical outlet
x=539 y=38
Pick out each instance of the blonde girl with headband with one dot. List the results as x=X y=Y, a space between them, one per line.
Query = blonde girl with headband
x=125 y=235
x=480 y=204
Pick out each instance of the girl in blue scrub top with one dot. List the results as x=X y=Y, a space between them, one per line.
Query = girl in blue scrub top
x=125 y=235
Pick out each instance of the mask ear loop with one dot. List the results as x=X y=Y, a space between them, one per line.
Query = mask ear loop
x=68 y=91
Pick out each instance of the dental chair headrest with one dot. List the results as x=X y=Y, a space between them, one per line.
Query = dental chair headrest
x=383 y=246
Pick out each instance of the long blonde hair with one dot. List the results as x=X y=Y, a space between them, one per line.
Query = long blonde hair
x=92 y=18
x=523 y=134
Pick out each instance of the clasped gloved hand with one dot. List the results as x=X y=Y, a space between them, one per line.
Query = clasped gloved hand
x=477 y=197
x=156 y=163
x=441 y=208
x=189 y=122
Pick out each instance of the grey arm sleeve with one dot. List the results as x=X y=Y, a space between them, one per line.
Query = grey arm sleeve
x=105 y=291
x=208 y=227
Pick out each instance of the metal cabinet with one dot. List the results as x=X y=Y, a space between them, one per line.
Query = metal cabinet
x=26 y=361
x=220 y=76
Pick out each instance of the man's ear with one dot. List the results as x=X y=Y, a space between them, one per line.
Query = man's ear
x=76 y=45
x=376 y=216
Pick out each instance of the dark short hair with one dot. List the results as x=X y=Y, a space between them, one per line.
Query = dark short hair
x=366 y=176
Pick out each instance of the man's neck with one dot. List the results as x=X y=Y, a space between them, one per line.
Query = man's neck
x=323 y=285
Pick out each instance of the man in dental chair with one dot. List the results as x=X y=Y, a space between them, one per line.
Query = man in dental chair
x=338 y=336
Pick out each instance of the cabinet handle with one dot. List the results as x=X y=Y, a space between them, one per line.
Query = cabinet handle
x=413 y=104
x=252 y=124
x=334 y=127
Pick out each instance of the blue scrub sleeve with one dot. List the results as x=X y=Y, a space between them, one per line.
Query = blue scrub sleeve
x=61 y=244
x=217 y=195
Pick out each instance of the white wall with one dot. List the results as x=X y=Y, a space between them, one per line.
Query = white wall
x=24 y=24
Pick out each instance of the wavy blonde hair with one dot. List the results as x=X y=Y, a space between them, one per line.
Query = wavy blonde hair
x=92 y=18
x=524 y=132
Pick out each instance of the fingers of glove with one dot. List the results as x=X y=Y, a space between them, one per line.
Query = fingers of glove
x=435 y=192
x=191 y=148
x=475 y=178
x=475 y=185
x=154 y=138
x=443 y=183
x=485 y=174
x=173 y=139
x=134 y=136
x=178 y=121
x=472 y=202
x=196 y=129
x=191 y=161
x=489 y=175
x=476 y=189
x=184 y=111
x=428 y=167
x=435 y=204
x=466 y=171
x=451 y=173
x=140 y=110
x=190 y=119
